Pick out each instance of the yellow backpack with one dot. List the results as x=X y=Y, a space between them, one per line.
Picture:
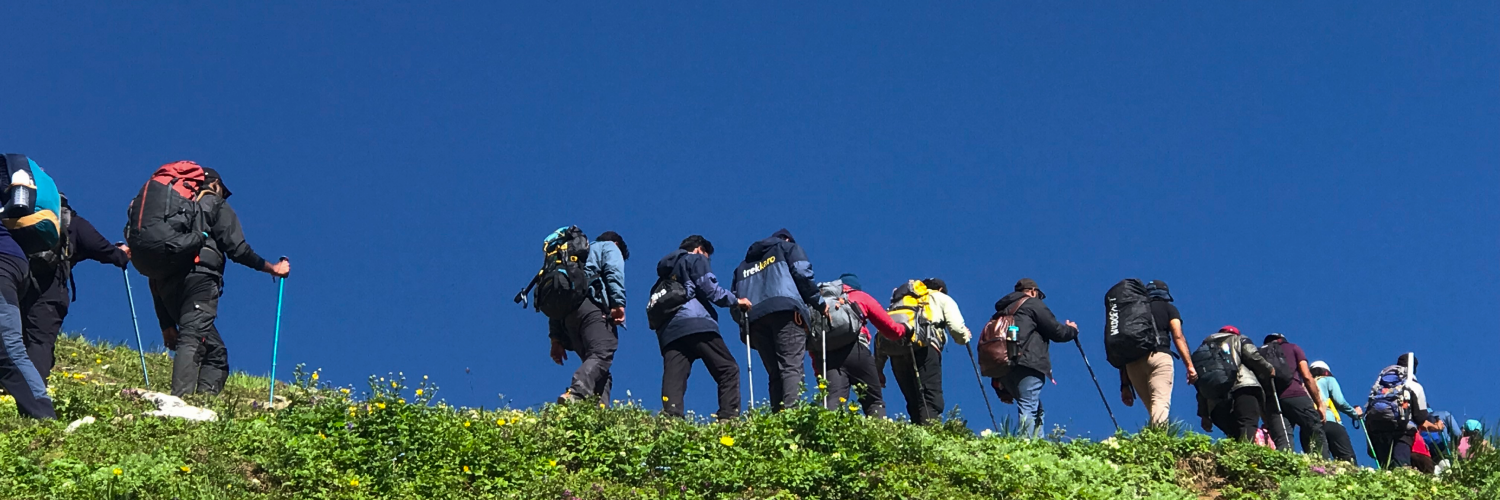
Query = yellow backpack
x=911 y=305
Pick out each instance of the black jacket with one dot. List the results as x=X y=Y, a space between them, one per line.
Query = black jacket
x=226 y=238
x=1037 y=327
x=88 y=244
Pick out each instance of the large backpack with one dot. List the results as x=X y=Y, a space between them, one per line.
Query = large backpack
x=1389 y=406
x=911 y=305
x=842 y=324
x=1276 y=356
x=668 y=296
x=562 y=284
x=1130 y=331
x=1218 y=365
x=33 y=207
x=997 y=343
x=164 y=225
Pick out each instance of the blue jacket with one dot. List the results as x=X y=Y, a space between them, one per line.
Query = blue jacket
x=698 y=314
x=776 y=277
x=606 y=268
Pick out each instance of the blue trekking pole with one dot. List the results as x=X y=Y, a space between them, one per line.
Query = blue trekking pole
x=276 y=341
x=130 y=294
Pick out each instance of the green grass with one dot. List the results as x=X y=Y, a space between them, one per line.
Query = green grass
x=388 y=441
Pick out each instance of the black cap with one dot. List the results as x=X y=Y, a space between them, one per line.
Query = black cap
x=1160 y=285
x=1271 y=337
x=936 y=284
x=210 y=176
x=784 y=234
x=1029 y=284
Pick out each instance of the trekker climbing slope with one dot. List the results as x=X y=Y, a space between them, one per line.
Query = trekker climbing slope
x=1036 y=326
x=1300 y=398
x=1151 y=376
x=691 y=332
x=591 y=328
x=917 y=359
x=1230 y=395
x=853 y=366
x=186 y=293
x=31 y=224
x=1396 y=403
x=45 y=303
x=777 y=277
x=1339 y=446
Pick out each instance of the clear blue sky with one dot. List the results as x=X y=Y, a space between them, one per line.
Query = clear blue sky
x=1327 y=171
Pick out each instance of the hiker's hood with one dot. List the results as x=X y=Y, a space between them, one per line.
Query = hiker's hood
x=759 y=249
x=1005 y=302
x=668 y=264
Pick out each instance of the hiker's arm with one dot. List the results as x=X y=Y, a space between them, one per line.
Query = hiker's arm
x=163 y=316
x=1252 y=358
x=612 y=271
x=1182 y=348
x=802 y=275
x=878 y=316
x=1047 y=325
x=230 y=239
x=1336 y=394
x=88 y=244
x=708 y=285
x=955 y=319
x=1311 y=384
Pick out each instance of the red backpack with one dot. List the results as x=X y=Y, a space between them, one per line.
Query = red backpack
x=997 y=343
x=164 y=227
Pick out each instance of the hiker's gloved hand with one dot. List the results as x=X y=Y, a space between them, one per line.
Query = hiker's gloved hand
x=169 y=337
x=558 y=353
x=1127 y=396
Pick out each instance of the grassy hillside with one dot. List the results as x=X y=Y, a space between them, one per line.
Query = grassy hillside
x=395 y=439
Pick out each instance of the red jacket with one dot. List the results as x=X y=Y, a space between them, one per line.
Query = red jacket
x=875 y=313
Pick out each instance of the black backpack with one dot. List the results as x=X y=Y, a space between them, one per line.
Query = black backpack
x=1218 y=364
x=1129 y=327
x=668 y=296
x=562 y=284
x=61 y=253
x=163 y=225
x=1275 y=355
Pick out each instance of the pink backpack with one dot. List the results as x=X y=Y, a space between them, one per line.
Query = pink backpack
x=1263 y=438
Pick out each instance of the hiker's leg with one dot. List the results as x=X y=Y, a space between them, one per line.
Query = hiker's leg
x=596 y=350
x=214 y=370
x=1025 y=385
x=721 y=366
x=1339 y=445
x=1277 y=425
x=860 y=369
x=931 y=361
x=195 y=297
x=1247 y=412
x=1401 y=452
x=676 y=367
x=1301 y=412
x=791 y=347
x=1382 y=443
x=13 y=376
x=1158 y=395
x=904 y=369
x=763 y=339
x=1422 y=463
x=41 y=323
x=837 y=378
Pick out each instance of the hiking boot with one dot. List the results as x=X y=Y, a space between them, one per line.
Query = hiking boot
x=568 y=397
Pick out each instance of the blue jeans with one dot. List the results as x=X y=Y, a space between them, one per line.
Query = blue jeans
x=1025 y=385
x=17 y=374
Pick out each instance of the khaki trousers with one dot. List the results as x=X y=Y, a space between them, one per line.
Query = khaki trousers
x=1152 y=378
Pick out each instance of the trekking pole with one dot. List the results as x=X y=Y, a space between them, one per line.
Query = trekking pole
x=744 y=322
x=824 y=355
x=980 y=383
x=130 y=295
x=1276 y=395
x=1096 y=383
x=921 y=389
x=276 y=340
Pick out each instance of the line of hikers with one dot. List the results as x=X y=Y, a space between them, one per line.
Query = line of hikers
x=791 y=319
x=180 y=233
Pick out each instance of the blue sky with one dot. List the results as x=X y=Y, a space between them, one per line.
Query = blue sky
x=1328 y=171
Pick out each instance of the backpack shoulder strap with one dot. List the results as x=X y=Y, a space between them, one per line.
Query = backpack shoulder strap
x=1017 y=307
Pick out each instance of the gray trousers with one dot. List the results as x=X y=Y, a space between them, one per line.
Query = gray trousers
x=191 y=302
x=589 y=334
x=782 y=344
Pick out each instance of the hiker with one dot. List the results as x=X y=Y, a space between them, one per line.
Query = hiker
x=1473 y=441
x=591 y=329
x=1397 y=403
x=45 y=302
x=1339 y=446
x=777 y=277
x=1151 y=376
x=1230 y=395
x=1036 y=326
x=853 y=365
x=1441 y=440
x=30 y=212
x=186 y=299
x=692 y=333
x=917 y=363
x=1298 y=394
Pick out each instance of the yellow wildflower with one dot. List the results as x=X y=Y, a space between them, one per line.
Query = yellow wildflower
x=466 y=423
x=321 y=436
x=822 y=385
x=853 y=407
x=380 y=405
x=726 y=440
x=419 y=392
x=118 y=471
x=843 y=400
x=552 y=463
x=601 y=405
x=401 y=400
x=500 y=421
x=393 y=384
x=466 y=469
x=77 y=376
x=315 y=376
x=664 y=398
x=353 y=482
x=344 y=390
x=185 y=469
